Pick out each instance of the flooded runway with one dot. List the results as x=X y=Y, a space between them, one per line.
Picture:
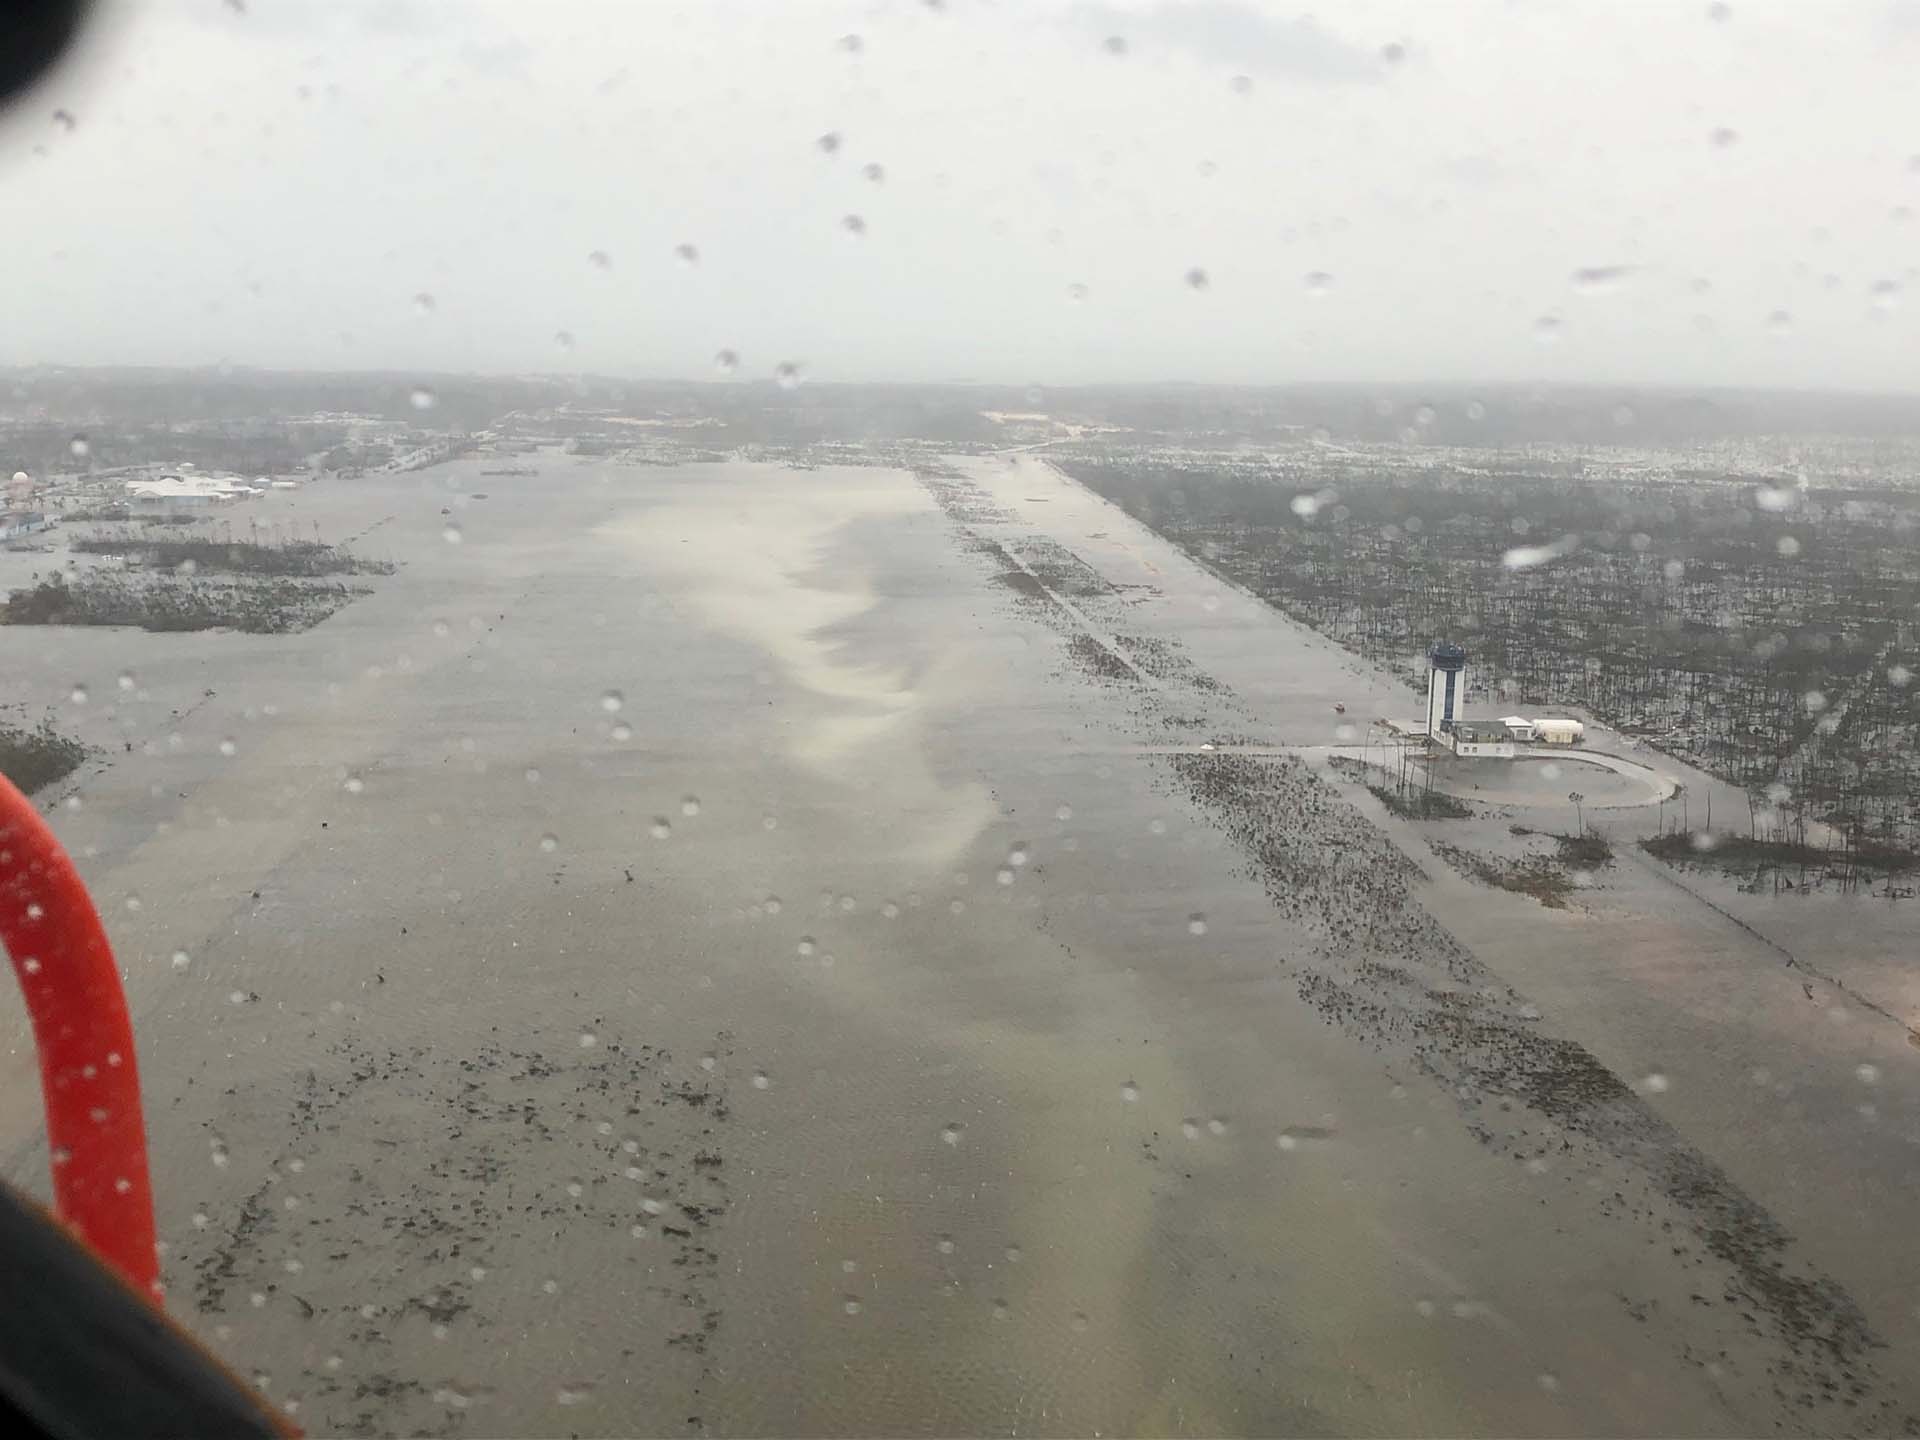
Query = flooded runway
x=738 y=949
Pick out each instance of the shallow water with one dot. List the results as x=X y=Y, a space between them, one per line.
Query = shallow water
x=875 y=938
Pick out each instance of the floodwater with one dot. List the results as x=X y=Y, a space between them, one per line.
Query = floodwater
x=728 y=949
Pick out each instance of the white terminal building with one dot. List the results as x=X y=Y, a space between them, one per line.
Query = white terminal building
x=1447 y=725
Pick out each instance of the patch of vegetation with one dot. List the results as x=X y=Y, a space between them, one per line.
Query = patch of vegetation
x=1421 y=804
x=250 y=556
x=1589 y=849
x=266 y=606
x=1536 y=875
x=1097 y=660
x=1742 y=855
x=38 y=757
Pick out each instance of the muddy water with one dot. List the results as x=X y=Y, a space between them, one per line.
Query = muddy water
x=883 y=1044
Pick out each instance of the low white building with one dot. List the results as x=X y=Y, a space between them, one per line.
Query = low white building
x=1518 y=728
x=189 y=488
x=1558 y=731
x=1479 y=739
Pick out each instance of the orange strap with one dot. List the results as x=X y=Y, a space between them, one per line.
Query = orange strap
x=88 y=1076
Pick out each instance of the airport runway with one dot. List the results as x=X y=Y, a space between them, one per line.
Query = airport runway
x=726 y=950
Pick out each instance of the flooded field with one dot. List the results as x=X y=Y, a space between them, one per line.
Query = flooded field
x=740 y=949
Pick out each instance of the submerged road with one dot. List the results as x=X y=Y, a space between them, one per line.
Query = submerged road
x=727 y=950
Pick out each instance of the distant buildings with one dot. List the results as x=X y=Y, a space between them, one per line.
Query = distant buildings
x=190 y=488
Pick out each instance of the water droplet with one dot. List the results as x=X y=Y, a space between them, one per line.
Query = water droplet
x=1884 y=294
x=600 y=260
x=423 y=398
x=79 y=447
x=229 y=748
x=950 y=1133
x=78 y=695
x=852 y=44
x=31 y=965
x=851 y=1305
x=944 y=1245
x=787 y=375
x=1867 y=1074
x=690 y=805
x=1546 y=1379
x=1114 y=44
x=1779 y=322
x=563 y=338
x=1786 y=547
x=829 y=143
x=807 y=945
x=1129 y=1092
x=181 y=960
x=1076 y=292
x=126 y=680
x=355 y=785
x=588 y=1039
x=1241 y=84
x=1655 y=1084
x=1318 y=282
x=1001 y=1310
x=1393 y=52
x=873 y=171
x=1196 y=924
x=549 y=843
x=622 y=732
x=853 y=224
x=1197 y=279
x=424 y=304
x=1598 y=279
x=1722 y=137
x=1546 y=329
x=1003 y=876
x=726 y=361
x=688 y=255
x=761 y=1080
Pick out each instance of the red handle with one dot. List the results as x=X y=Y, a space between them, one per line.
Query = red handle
x=88 y=1076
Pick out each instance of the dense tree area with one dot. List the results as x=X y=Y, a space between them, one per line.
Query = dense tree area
x=1768 y=634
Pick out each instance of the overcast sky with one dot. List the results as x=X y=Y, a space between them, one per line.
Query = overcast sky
x=275 y=184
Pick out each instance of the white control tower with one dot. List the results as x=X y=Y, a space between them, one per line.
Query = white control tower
x=1446 y=686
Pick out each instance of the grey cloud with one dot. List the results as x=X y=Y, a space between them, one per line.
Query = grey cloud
x=1233 y=35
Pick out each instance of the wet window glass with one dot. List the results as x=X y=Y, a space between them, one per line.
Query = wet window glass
x=1106 y=716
